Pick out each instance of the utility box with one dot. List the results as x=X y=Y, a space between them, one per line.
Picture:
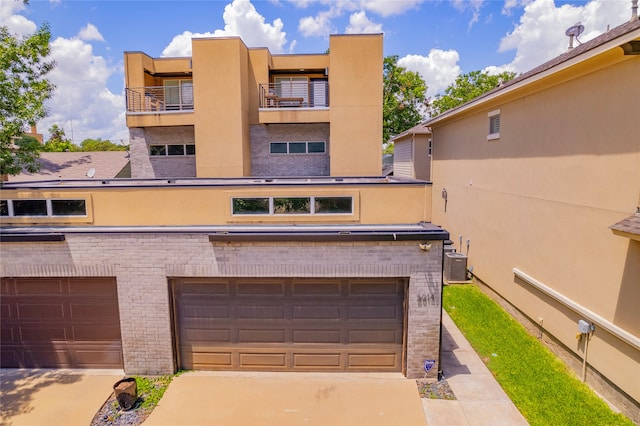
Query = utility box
x=455 y=267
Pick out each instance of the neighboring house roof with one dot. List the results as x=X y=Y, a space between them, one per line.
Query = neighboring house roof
x=628 y=227
x=76 y=165
x=624 y=36
x=420 y=129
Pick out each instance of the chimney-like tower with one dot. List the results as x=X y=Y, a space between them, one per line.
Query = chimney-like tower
x=634 y=10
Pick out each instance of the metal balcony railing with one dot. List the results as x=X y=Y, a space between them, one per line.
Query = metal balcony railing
x=294 y=94
x=160 y=98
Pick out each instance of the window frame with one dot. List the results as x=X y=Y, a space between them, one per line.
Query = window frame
x=306 y=148
x=48 y=206
x=312 y=206
x=166 y=146
x=494 y=117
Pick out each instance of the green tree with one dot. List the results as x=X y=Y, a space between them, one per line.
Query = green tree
x=468 y=87
x=101 y=145
x=23 y=91
x=58 y=141
x=404 y=98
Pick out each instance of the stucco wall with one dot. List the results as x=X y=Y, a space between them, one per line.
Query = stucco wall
x=265 y=164
x=142 y=264
x=541 y=198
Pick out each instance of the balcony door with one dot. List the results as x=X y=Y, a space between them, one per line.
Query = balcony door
x=178 y=94
x=292 y=87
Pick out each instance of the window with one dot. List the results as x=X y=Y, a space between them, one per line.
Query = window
x=430 y=148
x=297 y=147
x=292 y=87
x=51 y=207
x=172 y=150
x=291 y=205
x=494 y=125
x=178 y=94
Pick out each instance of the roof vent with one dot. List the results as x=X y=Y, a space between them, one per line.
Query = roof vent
x=634 y=10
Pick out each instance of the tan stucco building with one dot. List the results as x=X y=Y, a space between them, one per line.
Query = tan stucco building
x=256 y=232
x=542 y=175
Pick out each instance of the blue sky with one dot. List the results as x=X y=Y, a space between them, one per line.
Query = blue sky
x=440 y=39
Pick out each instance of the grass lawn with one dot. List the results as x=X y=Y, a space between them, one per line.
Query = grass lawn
x=543 y=388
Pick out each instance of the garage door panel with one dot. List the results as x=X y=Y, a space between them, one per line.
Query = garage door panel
x=264 y=312
x=260 y=289
x=316 y=312
x=374 y=336
x=374 y=312
x=204 y=360
x=60 y=323
x=316 y=336
x=252 y=360
x=317 y=360
x=28 y=287
x=373 y=360
x=40 y=311
x=96 y=332
x=37 y=333
x=318 y=289
x=372 y=289
x=261 y=336
x=200 y=310
x=92 y=311
x=196 y=288
x=207 y=335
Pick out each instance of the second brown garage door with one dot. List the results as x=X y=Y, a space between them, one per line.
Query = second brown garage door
x=289 y=324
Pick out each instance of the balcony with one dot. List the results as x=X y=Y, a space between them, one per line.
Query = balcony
x=155 y=99
x=294 y=102
x=295 y=94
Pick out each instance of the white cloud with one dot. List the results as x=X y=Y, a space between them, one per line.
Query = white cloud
x=81 y=104
x=540 y=34
x=89 y=33
x=241 y=19
x=319 y=25
x=387 y=8
x=360 y=24
x=439 y=69
x=469 y=5
x=17 y=24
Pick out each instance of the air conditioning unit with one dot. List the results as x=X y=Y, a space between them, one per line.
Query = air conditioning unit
x=455 y=267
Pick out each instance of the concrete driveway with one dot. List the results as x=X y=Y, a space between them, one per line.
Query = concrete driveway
x=289 y=399
x=53 y=397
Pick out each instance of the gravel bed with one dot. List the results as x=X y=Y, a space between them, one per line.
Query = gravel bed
x=110 y=414
x=435 y=390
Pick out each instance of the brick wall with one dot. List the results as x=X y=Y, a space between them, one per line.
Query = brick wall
x=265 y=164
x=141 y=264
x=144 y=166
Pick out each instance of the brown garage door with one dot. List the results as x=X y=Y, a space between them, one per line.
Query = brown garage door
x=60 y=323
x=289 y=324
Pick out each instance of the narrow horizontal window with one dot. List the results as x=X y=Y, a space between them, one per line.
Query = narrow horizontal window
x=175 y=149
x=250 y=205
x=68 y=208
x=278 y=148
x=292 y=205
x=158 y=150
x=316 y=147
x=29 y=207
x=333 y=205
x=297 y=148
x=172 y=150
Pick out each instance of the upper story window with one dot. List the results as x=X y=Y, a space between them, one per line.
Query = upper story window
x=172 y=150
x=178 y=94
x=297 y=147
x=292 y=89
x=291 y=205
x=41 y=207
x=430 y=148
x=494 y=125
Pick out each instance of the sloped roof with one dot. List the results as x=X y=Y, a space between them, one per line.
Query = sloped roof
x=420 y=129
x=628 y=227
x=75 y=165
x=582 y=49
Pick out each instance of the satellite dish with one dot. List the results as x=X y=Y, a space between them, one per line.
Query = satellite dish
x=574 y=31
x=91 y=172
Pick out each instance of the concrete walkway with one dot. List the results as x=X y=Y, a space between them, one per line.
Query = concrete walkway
x=480 y=400
x=53 y=397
